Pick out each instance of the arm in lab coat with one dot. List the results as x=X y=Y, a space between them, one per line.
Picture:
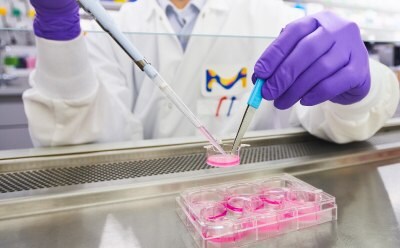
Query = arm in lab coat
x=358 y=121
x=79 y=95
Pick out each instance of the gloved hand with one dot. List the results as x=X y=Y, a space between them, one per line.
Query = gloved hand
x=316 y=58
x=56 y=19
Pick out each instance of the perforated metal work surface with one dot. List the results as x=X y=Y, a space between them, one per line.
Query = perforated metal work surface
x=56 y=177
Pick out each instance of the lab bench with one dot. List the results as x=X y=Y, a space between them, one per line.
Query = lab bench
x=124 y=195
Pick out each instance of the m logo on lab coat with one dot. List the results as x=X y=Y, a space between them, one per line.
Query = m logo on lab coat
x=227 y=83
x=224 y=81
x=222 y=88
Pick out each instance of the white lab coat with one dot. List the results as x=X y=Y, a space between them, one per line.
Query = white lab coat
x=87 y=90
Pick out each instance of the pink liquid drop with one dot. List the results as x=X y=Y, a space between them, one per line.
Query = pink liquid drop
x=221 y=160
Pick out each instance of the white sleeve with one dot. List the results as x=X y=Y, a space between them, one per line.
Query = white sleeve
x=72 y=101
x=358 y=121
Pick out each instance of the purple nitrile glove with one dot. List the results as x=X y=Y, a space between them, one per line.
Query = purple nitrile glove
x=315 y=59
x=56 y=19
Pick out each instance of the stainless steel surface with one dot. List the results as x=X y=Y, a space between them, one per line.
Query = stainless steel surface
x=120 y=147
x=140 y=211
x=57 y=177
x=366 y=196
x=244 y=125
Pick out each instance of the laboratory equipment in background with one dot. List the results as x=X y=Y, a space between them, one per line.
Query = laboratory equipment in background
x=17 y=51
x=17 y=60
x=244 y=212
x=378 y=20
x=387 y=53
x=17 y=41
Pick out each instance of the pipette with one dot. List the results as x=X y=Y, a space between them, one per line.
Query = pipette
x=252 y=105
x=97 y=11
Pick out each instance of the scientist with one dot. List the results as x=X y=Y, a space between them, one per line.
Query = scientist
x=85 y=89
